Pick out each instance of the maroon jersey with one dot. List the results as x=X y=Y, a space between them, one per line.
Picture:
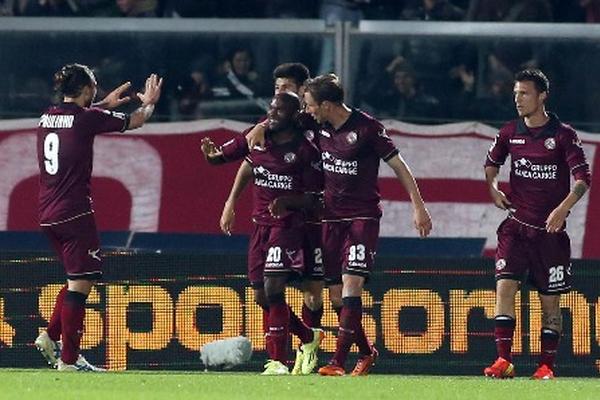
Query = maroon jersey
x=281 y=170
x=65 y=138
x=542 y=161
x=350 y=158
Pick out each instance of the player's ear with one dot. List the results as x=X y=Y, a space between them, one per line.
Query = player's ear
x=543 y=96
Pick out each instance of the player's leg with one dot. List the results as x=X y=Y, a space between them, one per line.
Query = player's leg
x=83 y=266
x=511 y=264
x=552 y=277
x=504 y=328
x=48 y=341
x=279 y=324
x=550 y=335
x=312 y=284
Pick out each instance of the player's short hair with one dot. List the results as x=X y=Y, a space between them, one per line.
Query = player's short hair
x=297 y=72
x=326 y=88
x=72 y=78
x=539 y=79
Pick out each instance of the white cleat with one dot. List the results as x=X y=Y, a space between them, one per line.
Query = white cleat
x=49 y=348
x=274 y=367
x=81 y=365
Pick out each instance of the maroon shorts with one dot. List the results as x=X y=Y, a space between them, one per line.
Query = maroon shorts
x=349 y=248
x=313 y=254
x=274 y=250
x=77 y=245
x=528 y=252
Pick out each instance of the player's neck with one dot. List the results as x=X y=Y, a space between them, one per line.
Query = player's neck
x=339 y=116
x=80 y=101
x=537 y=119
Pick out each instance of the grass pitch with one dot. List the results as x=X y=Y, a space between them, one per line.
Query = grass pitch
x=49 y=384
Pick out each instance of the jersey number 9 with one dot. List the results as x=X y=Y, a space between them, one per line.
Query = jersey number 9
x=51 y=145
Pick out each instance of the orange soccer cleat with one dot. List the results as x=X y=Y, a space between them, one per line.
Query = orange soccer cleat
x=543 y=372
x=365 y=363
x=500 y=369
x=331 y=370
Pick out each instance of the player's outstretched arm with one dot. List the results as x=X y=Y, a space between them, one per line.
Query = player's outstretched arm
x=114 y=99
x=498 y=197
x=149 y=98
x=242 y=178
x=421 y=217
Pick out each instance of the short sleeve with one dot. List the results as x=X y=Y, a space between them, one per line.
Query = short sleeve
x=235 y=149
x=575 y=156
x=98 y=121
x=498 y=151
x=382 y=143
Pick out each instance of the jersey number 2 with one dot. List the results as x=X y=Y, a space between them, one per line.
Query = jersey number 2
x=51 y=145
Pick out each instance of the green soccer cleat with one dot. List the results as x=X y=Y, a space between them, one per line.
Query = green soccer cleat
x=311 y=350
x=274 y=367
x=297 y=370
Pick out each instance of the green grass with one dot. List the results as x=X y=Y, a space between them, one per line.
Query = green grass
x=48 y=384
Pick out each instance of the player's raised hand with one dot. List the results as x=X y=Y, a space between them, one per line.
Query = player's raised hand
x=227 y=219
x=256 y=136
x=114 y=99
x=422 y=221
x=151 y=90
x=209 y=149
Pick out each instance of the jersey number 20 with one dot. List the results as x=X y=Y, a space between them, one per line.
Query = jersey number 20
x=51 y=145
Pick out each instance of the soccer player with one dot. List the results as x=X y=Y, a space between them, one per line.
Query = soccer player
x=351 y=144
x=65 y=138
x=287 y=77
x=532 y=240
x=284 y=168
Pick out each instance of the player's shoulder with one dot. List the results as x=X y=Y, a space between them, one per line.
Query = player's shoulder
x=510 y=128
x=562 y=129
x=366 y=122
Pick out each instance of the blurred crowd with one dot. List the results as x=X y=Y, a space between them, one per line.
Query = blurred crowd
x=351 y=10
x=407 y=78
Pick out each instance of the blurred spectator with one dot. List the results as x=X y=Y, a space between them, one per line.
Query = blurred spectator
x=384 y=9
x=529 y=11
x=137 y=8
x=190 y=91
x=36 y=8
x=592 y=10
x=432 y=10
x=398 y=94
x=498 y=105
x=190 y=8
x=237 y=78
x=461 y=101
x=291 y=9
x=487 y=10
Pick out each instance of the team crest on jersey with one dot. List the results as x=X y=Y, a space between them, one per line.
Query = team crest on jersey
x=550 y=143
x=310 y=135
x=289 y=158
x=352 y=137
x=500 y=264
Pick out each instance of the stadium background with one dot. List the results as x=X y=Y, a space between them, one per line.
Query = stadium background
x=166 y=295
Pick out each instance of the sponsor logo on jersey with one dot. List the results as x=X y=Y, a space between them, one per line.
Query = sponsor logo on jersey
x=325 y=133
x=264 y=178
x=526 y=169
x=550 y=143
x=517 y=141
x=351 y=137
x=338 y=166
x=289 y=158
